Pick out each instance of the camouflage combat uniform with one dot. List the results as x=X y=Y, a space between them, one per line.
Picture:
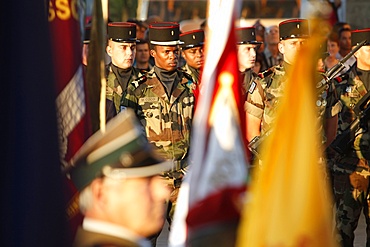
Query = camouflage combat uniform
x=265 y=93
x=167 y=120
x=247 y=77
x=194 y=74
x=350 y=201
x=116 y=85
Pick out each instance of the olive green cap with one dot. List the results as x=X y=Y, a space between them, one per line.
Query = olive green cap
x=122 y=151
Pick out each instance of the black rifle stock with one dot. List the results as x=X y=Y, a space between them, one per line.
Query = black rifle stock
x=344 y=141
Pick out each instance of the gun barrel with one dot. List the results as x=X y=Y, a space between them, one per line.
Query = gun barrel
x=336 y=69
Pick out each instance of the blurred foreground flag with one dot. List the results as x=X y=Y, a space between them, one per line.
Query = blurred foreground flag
x=210 y=199
x=73 y=124
x=289 y=202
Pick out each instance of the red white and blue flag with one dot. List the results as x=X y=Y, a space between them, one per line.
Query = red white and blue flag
x=212 y=191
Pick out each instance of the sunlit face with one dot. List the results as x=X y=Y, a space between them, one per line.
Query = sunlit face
x=333 y=47
x=363 y=57
x=165 y=57
x=290 y=48
x=246 y=56
x=194 y=57
x=142 y=53
x=122 y=54
x=138 y=204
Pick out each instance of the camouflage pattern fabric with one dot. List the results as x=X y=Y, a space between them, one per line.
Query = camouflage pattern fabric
x=114 y=89
x=167 y=120
x=263 y=100
x=194 y=81
x=349 y=205
x=349 y=200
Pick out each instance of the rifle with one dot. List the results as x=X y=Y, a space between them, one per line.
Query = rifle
x=327 y=77
x=256 y=142
x=336 y=69
x=343 y=142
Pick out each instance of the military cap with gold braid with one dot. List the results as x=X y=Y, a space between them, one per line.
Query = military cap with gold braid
x=122 y=32
x=122 y=151
x=360 y=35
x=246 y=35
x=194 y=38
x=294 y=28
x=164 y=33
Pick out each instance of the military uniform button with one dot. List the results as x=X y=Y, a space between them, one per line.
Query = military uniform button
x=318 y=103
x=324 y=95
x=324 y=102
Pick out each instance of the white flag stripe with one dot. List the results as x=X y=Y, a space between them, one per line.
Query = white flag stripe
x=221 y=149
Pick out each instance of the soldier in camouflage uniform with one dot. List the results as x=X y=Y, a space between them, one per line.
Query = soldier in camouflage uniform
x=350 y=171
x=164 y=103
x=266 y=91
x=192 y=52
x=122 y=49
x=247 y=47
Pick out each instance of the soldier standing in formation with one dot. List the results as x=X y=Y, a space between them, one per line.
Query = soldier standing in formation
x=164 y=103
x=350 y=181
x=192 y=52
x=264 y=94
x=122 y=49
x=247 y=47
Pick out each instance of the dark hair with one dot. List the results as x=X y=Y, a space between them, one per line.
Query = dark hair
x=333 y=36
x=341 y=30
x=338 y=25
x=142 y=41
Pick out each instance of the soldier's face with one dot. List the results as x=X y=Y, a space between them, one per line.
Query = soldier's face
x=165 y=57
x=122 y=54
x=246 y=56
x=145 y=217
x=194 y=57
x=290 y=48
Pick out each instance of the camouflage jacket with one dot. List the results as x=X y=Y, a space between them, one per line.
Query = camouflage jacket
x=194 y=80
x=266 y=92
x=350 y=92
x=167 y=120
x=114 y=88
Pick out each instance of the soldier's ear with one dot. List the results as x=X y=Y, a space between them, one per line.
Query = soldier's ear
x=109 y=50
x=152 y=53
x=281 y=47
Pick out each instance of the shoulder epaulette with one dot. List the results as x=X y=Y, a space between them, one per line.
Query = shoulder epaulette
x=187 y=76
x=265 y=73
x=143 y=71
x=139 y=81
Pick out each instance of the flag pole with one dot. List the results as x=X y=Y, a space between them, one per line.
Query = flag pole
x=103 y=82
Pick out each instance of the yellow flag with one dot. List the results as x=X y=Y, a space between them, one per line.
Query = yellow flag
x=289 y=202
